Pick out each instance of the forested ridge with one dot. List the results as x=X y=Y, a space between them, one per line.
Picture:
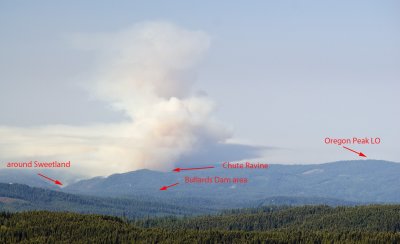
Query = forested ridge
x=308 y=224
x=17 y=197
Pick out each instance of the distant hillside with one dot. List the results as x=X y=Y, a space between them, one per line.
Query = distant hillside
x=16 y=197
x=338 y=183
x=299 y=201
x=353 y=181
x=29 y=177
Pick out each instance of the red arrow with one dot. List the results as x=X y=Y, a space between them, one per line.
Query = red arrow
x=164 y=188
x=55 y=181
x=179 y=169
x=359 y=153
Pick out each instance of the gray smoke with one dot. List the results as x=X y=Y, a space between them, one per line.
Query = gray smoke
x=147 y=72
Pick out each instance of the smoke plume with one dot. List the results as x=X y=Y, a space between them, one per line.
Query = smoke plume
x=147 y=72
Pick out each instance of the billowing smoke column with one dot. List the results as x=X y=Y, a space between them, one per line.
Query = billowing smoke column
x=146 y=72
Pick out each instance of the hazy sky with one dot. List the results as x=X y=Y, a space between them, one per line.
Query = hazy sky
x=280 y=74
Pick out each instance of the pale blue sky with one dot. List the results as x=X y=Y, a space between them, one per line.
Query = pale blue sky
x=283 y=74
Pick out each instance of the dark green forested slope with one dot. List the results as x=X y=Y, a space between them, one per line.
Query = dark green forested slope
x=318 y=224
x=16 y=197
x=366 y=218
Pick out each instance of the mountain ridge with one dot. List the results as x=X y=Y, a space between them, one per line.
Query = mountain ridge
x=356 y=181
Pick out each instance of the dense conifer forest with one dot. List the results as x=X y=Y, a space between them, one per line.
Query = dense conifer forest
x=307 y=224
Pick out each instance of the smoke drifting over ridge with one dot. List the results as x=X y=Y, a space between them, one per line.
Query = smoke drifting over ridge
x=146 y=72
